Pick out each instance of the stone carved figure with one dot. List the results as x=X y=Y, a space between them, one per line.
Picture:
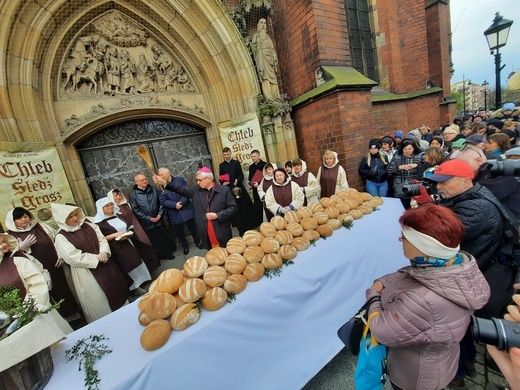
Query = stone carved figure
x=127 y=69
x=118 y=31
x=145 y=75
x=113 y=71
x=266 y=61
x=180 y=81
x=163 y=66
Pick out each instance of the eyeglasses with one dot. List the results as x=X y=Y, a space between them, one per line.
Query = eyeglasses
x=449 y=133
x=402 y=237
x=199 y=180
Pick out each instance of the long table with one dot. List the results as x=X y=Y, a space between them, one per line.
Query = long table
x=277 y=334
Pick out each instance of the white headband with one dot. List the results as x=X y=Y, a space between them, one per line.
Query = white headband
x=429 y=245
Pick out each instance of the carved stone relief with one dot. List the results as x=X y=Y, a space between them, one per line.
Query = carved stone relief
x=116 y=56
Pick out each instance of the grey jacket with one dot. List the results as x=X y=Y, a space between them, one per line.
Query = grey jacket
x=423 y=315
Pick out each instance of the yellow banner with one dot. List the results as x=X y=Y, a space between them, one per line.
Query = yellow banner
x=243 y=135
x=31 y=176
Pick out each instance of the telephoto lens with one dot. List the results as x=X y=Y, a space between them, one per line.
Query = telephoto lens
x=498 y=332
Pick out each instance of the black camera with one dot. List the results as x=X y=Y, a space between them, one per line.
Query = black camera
x=500 y=333
x=504 y=167
x=415 y=189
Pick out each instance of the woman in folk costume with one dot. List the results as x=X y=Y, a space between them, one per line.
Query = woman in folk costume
x=120 y=201
x=284 y=195
x=264 y=185
x=306 y=180
x=25 y=273
x=37 y=240
x=99 y=284
x=331 y=175
x=124 y=253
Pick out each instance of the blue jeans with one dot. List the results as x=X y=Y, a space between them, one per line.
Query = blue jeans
x=377 y=189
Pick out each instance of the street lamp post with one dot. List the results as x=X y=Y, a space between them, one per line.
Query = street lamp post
x=485 y=85
x=496 y=36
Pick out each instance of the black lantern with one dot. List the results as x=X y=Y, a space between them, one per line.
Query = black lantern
x=496 y=36
x=485 y=86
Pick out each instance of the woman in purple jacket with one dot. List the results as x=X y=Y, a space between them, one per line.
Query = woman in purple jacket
x=425 y=308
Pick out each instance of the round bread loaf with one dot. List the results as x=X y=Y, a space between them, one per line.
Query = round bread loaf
x=185 y=316
x=267 y=229
x=252 y=238
x=345 y=217
x=144 y=318
x=356 y=214
x=301 y=243
x=254 y=272
x=321 y=216
x=343 y=194
x=336 y=198
x=235 y=264
x=192 y=290
x=254 y=254
x=324 y=230
x=236 y=245
x=332 y=212
x=295 y=229
x=215 y=276
x=343 y=207
x=161 y=305
x=278 y=222
x=283 y=237
x=270 y=245
x=378 y=200
x=327 y=202
x=155 y=335
x=153 y=288
x=179 y=302
x=214 y=299
x=334 y=223
x=353 y=204
x=287 y=252
x=359 y=199
x=369 y=203
x=365 y=210
x=311 y=235
x=304 y=212
x=216 y=256
x=272 y=260
x=309 y=223
x=352 y=192
x=315 y=206
x=365 y=195
x=195 y=266
x=235 y=284
x=169 y=280
x=292 y=216
x=144 y=302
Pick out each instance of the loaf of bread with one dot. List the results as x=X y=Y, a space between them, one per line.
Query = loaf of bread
x=272 y=261
x=235 y=284
x=292 y=216
x=144 y=318
x=254 y=272
x=352 y=192
x=343 y=207
x=324 y=230
x=192 y=290
x=270 y=245
x=295 y=229
x=195 y=266
x=283 y=237
x=254 y=254
x=214 y=299
x=336 y=198
x=153 y=288
x=315 y=207
x=343 y=194
x=235 y=264
x=216 y=256
x=215 y=276
x=365 y=195
x=179 y=302
x=185 y=316
x=236 y=245
x=144 y=302
x=161 y=305
x=300 y=243
x=267 y=229
x=278 y=222
x=309 y=223
x=304 y=212
x=327 y=202
x=321 y=216
x=311 y=235
x=155 y=335
x=287 y=252
x=252 y=238
x=169 y=280
x=377 y=200
x=365 y=209
x=332 y=212
x=353 y=204
x=334 y=223
x=345 y=217
x=356 y=214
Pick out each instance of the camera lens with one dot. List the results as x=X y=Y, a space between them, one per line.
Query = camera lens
x=500 y=333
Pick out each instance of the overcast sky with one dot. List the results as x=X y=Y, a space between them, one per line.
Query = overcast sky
x=470 y=55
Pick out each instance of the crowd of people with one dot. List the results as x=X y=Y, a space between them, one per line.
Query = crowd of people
x=458 y=231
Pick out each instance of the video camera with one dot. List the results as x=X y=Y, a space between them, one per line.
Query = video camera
x=415 y=189
x=503 y=167
x=502 y=334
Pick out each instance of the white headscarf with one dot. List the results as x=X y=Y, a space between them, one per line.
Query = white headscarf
x=429 y=245
x=60 y=212
x=100 y=214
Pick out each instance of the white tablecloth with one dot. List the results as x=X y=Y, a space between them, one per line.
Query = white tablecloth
x=277 y=334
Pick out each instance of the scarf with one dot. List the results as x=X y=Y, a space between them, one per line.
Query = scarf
x=424 y=261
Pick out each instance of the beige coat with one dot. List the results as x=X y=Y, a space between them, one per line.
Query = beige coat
x=341 y=182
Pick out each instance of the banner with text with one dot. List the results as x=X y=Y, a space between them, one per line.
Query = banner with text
x=31 y=176
x=243 y=135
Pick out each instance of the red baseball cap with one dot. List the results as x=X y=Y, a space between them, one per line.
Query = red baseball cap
x=450 y=169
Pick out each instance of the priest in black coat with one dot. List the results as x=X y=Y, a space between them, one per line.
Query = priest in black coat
x=257 y=166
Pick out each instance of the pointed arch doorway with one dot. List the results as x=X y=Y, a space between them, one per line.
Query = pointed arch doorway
x=110 y=159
